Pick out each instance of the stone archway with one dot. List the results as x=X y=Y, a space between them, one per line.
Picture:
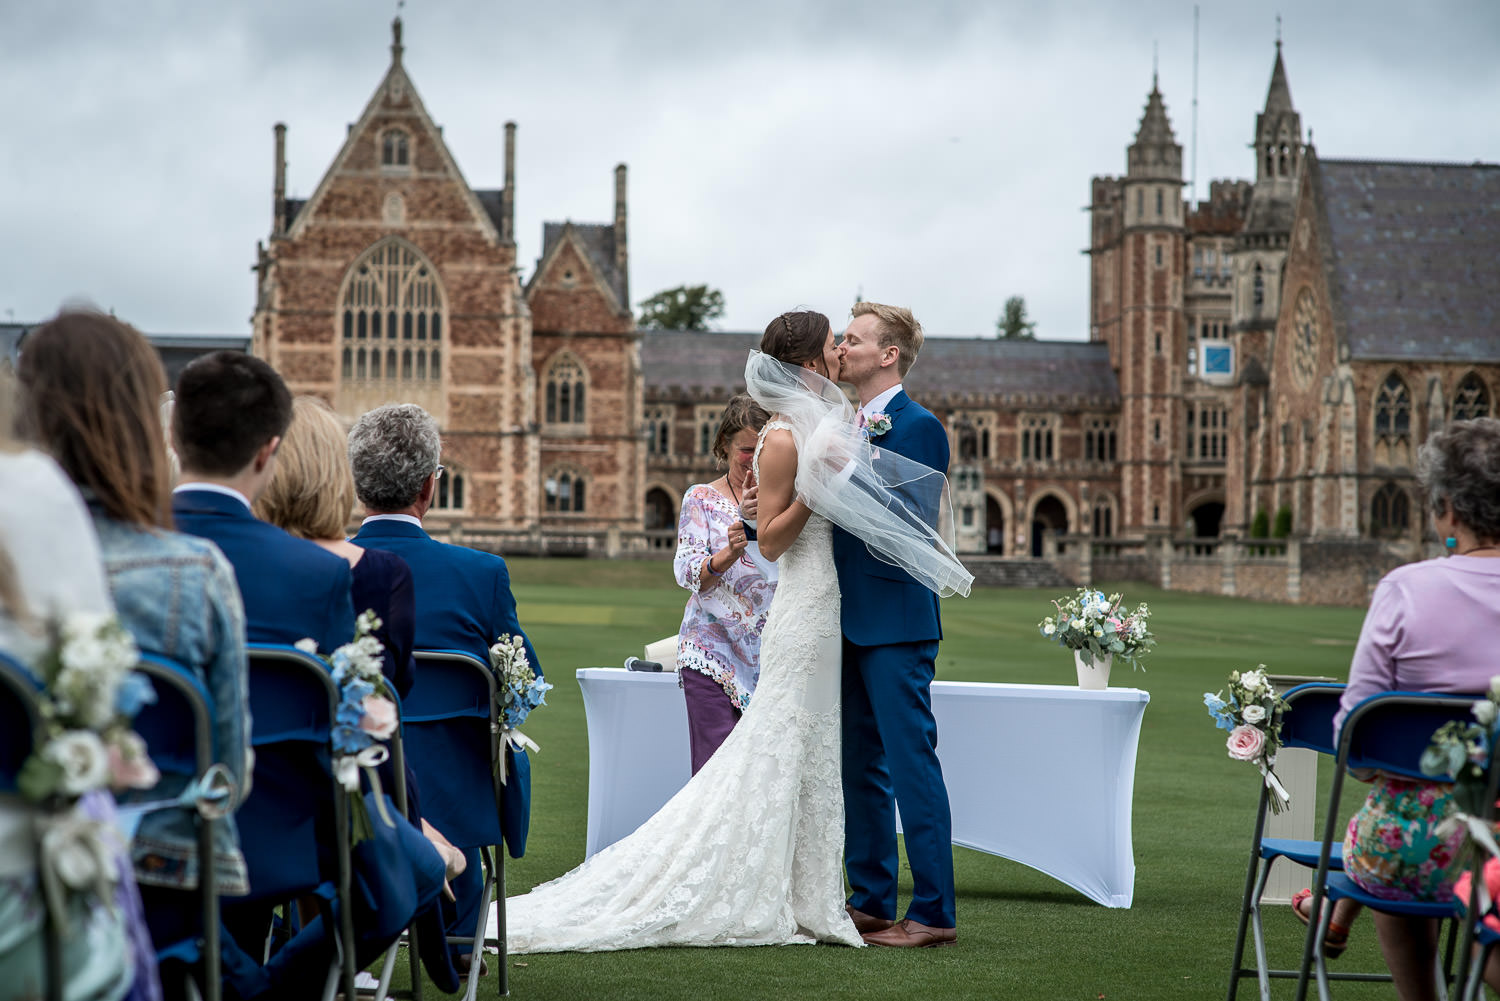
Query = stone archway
x=1207 y=519
x=661 y=512
x=1049 y=516
x=994 y=527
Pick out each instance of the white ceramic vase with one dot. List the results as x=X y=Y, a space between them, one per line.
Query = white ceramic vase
x=1092 y=677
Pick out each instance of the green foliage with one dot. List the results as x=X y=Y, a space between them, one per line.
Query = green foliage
x=1013 y=324
x=686 y=307
x=1260 y=525
x=1283 y=526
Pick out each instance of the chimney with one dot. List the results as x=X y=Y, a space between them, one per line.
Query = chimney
x=622 y=253
x=508 y=196
x=278 y=203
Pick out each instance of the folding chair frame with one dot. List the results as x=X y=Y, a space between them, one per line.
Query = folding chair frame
x=1438 y=707
x=399 y=797
x=492 y=857
x=21 y=685
x=165 y=672
x=343 y=975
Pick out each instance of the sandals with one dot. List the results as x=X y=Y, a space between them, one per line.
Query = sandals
x=1337 y=938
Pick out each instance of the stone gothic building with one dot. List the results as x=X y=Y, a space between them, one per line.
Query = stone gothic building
x=398 y=282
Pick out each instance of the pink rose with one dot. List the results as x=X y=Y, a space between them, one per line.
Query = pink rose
x=1245 y=742
x=130 y=767
x=379 y=720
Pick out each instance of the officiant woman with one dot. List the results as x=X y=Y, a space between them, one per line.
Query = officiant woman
x=718 y=646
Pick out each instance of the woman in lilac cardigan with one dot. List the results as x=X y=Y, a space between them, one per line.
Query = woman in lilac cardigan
x=1430 y=628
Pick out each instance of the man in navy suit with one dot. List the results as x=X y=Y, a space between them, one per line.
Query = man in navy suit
x=463 y=599
x=891 y=631
x=230 y=412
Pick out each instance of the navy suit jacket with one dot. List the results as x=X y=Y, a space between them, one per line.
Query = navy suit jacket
x=463 y=603
x=292 y=588
x=883 y=604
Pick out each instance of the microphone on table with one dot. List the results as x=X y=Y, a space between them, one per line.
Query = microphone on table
x=636 y=664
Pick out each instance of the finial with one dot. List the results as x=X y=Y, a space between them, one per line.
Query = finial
x=1278 y=33
x=396 y=33
x=1153 y=63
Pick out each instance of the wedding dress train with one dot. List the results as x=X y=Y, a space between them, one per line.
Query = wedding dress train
x=750 y=851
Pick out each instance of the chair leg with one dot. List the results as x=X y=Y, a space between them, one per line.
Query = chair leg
x=499 y=871
x=476 y=958
x=1320 y=964
x=1261 y=964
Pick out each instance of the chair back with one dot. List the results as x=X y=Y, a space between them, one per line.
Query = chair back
x=287 y=824
x=1307 y=721
x=1389 y=731
x=452 y=744
x=19 y=718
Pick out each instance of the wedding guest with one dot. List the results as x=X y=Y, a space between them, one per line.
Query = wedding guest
x=718 y=645
x=1429 y=629
x=91 y=390
x=228 y=417
x=463 y=601
x=311 y=495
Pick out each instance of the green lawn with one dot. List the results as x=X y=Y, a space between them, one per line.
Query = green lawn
x=1022 y=934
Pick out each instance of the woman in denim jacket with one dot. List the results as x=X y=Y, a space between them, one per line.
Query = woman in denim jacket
x=91 y=388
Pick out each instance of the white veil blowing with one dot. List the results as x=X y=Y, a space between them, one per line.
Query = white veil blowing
x=898 y=507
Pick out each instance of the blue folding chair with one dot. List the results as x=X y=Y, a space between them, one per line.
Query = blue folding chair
x=1386 y=732
x=179 y=735
x=397 y=747
x=20 y=716
x=295 y=822
x=1306 y=723
x=453 y=743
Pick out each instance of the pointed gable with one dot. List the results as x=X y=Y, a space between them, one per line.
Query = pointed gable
x=576 y=285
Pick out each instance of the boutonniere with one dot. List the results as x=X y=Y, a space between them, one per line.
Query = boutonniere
x=877 y=424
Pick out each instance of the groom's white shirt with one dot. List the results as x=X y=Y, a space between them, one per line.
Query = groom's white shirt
x=878 y=405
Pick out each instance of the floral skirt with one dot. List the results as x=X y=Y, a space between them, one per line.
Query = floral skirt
x=1392 y=849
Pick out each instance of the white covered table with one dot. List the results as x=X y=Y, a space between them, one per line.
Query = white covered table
x=1040 y=774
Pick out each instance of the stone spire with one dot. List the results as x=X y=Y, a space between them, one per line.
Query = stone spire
x=1155 y=152
x=1279 y=96
x=1278 y=130
x=396 y=47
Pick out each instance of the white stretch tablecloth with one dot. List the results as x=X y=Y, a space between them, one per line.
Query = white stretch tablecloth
x=1041 y=774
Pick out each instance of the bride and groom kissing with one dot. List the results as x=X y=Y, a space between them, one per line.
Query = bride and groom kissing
x=841 y=730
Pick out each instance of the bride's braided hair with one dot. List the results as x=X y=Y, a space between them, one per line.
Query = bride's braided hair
x=796 y=337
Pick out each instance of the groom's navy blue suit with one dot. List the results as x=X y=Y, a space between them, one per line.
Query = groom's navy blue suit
x=891 y=632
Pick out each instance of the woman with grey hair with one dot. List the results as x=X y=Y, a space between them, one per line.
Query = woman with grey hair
x=1430 y=628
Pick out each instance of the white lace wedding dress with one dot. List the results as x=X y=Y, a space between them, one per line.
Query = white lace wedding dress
x=750 y=852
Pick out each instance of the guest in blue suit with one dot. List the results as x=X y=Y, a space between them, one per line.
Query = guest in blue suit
x=230 y=413
x=891 y=632
x=463 y=595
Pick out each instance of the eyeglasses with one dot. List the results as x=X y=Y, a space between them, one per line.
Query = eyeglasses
x=437 y=474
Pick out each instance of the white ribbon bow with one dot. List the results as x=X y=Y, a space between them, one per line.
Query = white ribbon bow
x=516 y=740
x=347 y=766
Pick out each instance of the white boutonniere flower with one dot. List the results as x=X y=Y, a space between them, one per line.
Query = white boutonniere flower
x=877 y=424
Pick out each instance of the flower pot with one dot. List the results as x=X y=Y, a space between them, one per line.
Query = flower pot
x=1092 y=677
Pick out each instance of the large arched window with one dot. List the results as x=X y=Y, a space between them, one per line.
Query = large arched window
x=1471 y=399
x=1393 y=409
x=392 y=316
x=565 y=390
x=565 y=491
x=1390 y=511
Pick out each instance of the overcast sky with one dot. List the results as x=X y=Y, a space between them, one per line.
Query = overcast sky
x=934 y=153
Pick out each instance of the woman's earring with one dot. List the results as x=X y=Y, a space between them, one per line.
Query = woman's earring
x=1450 y=542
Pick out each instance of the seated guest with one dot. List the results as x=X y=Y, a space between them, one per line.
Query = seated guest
x=92 y=387
x=1430 y=628
x=228 y=417
x=463 y=595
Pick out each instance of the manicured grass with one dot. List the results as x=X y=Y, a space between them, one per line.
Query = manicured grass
x=1022 y=935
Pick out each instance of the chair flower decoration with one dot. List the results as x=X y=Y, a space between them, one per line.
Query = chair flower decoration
x=1252 y=715
x=517 y=692
x=1460 y=753
x=365 y=719
x=84 y=746
x=1097 y=626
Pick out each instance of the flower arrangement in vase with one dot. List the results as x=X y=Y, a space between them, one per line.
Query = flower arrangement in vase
x=1097 y=629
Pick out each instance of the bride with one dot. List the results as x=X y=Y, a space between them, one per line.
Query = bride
x=750 y=851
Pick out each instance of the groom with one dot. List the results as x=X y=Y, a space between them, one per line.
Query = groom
x=891 y=632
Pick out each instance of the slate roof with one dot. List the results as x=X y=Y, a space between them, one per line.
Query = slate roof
x=1414 y=258
x=713 y=364
x=493 y=200
x=598 y=240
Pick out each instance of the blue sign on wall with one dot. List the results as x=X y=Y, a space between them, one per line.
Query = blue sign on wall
x=1218 y=359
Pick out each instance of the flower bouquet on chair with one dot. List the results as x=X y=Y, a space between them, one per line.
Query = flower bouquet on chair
x=365 y=719
x=1097 y=629
x=1460 y=753
x=517 y=691
x=1252 y=715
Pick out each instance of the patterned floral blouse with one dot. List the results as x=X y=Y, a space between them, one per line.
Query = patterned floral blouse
x=720 y=634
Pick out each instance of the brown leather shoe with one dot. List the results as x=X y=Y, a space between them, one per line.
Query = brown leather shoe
x=866 y=923
x=909 y=934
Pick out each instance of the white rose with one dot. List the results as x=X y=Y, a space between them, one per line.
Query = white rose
x=1484 y=711
x=1253 y=714
x=83 y=760
x=307 y=645
x=79 y=850
x=346 y=770
x=1253 y=681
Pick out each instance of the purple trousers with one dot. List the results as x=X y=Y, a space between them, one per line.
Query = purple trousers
x=710 y=715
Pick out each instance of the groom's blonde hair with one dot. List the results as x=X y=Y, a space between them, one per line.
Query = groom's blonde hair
x=896 y=326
